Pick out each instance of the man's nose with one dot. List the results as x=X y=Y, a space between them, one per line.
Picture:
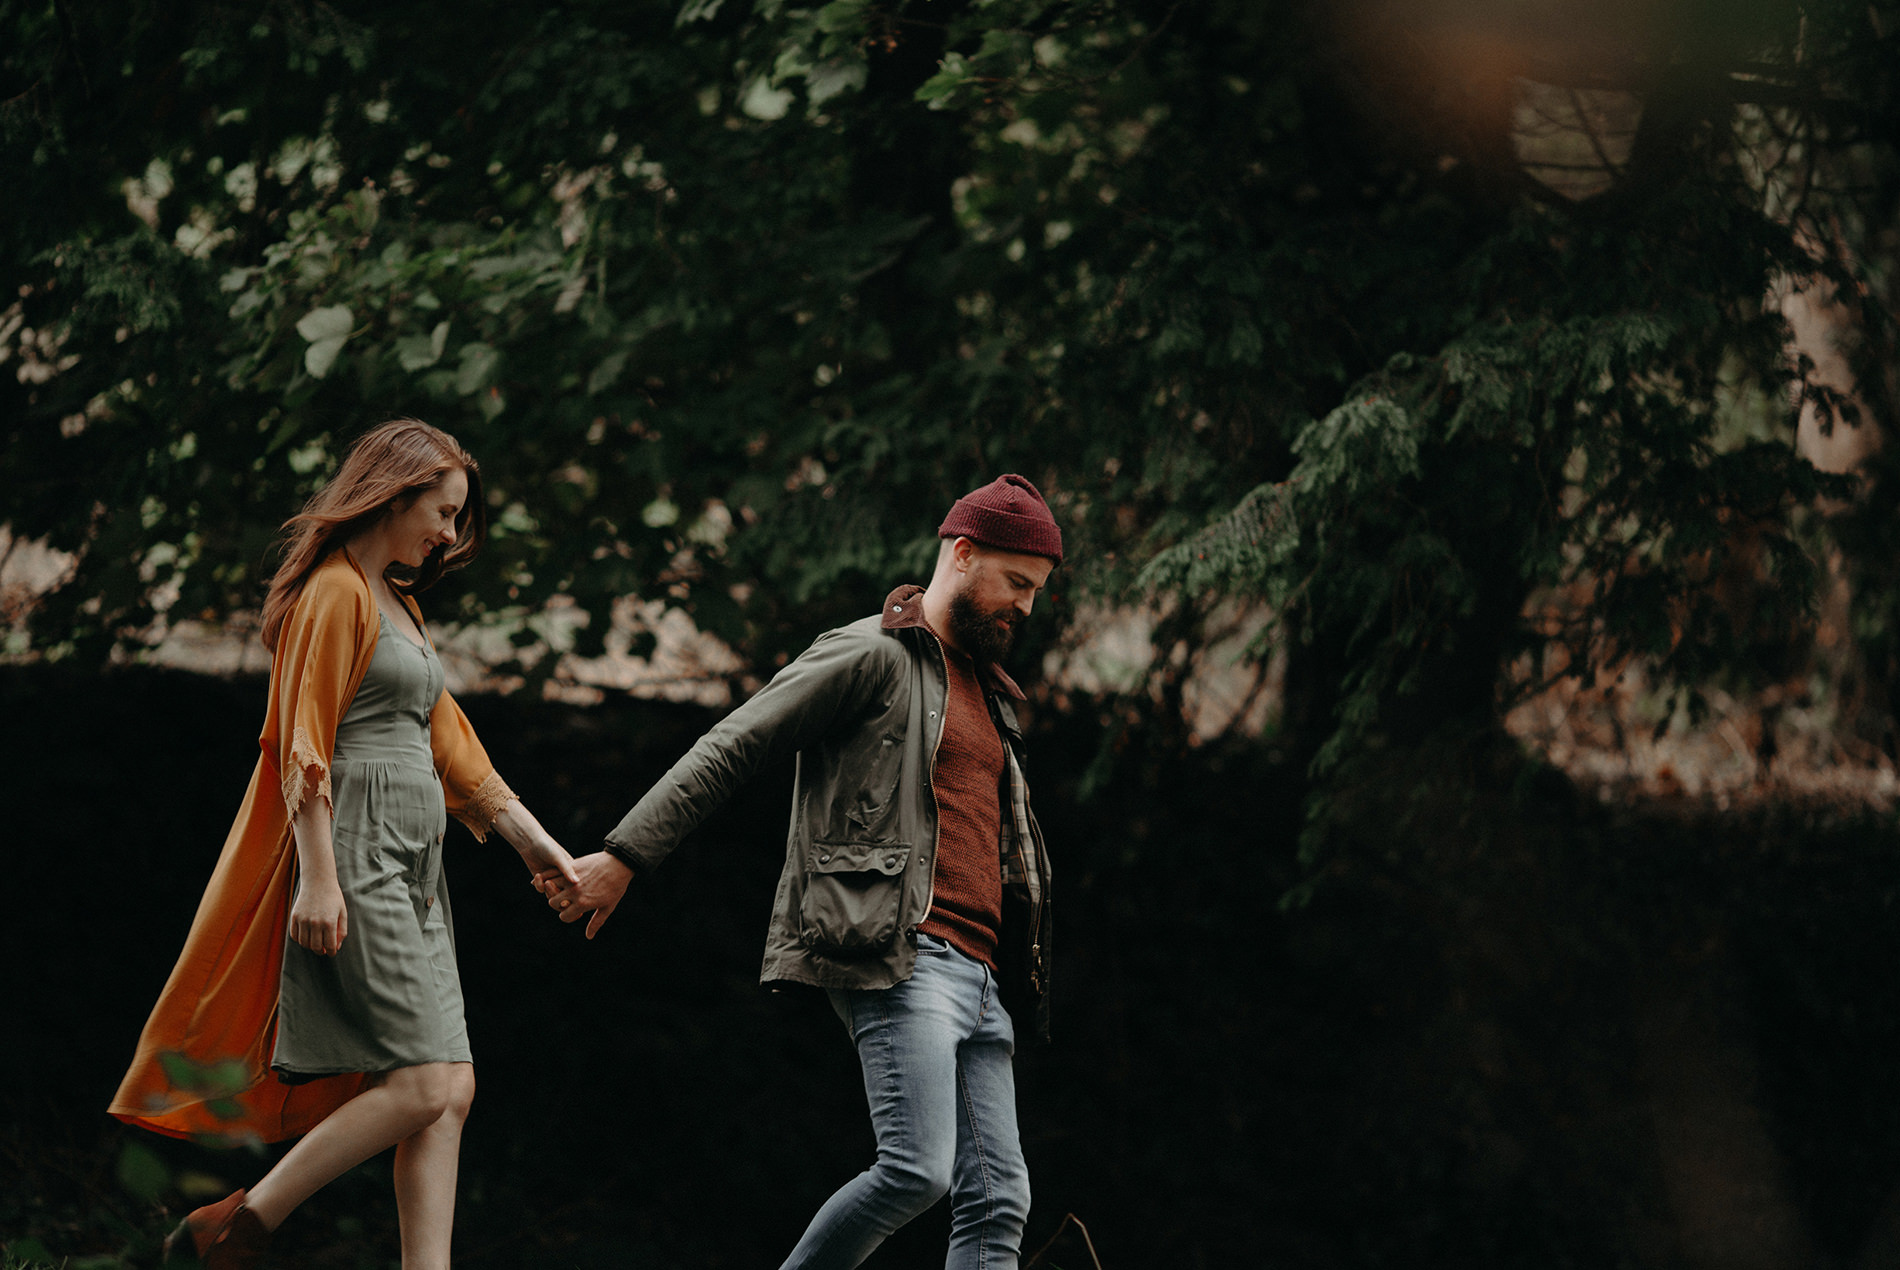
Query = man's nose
x=1024 y=604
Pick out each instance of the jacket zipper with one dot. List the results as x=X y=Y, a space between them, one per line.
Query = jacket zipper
x=930 y=779
x=1032 y=851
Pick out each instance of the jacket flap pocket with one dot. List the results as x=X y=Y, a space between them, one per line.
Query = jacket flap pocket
x=888 y=858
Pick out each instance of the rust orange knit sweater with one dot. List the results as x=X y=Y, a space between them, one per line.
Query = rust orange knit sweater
x=968 y=905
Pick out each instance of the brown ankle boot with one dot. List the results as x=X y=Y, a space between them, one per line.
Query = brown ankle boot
x=225 y=1235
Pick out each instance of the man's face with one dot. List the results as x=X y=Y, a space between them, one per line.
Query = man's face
x=997 y=590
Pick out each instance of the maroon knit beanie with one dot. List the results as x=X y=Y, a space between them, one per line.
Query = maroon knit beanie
x=1007 y=514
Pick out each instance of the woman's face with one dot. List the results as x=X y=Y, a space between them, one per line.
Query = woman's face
x=429 y=522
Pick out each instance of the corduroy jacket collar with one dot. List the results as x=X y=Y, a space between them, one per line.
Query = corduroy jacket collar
x=904 y=608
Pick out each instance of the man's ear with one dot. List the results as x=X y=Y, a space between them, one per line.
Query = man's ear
x=963 y=553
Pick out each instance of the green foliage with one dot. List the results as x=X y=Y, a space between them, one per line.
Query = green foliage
x=218 y=1083
x=1525 y=456
x=618 y=300
x=620 y=278
x=142 y=1174
x=723 y=295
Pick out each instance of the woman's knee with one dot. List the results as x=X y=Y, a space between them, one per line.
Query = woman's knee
x=461 y=1091
x=425 y=1092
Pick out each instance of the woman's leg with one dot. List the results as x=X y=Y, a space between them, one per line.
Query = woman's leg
x=425 y=1177
x=401 y=1104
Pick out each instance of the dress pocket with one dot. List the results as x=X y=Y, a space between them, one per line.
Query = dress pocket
x=852 y=894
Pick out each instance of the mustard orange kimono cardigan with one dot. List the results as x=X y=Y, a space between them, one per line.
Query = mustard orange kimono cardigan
x=202 y=1068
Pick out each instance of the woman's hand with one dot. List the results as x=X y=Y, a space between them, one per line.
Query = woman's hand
x=318 y=920
x=546 y=857
x=535 y=845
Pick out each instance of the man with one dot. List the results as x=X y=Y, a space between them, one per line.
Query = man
x=915 y=881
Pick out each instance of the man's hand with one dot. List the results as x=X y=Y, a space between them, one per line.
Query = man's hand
x=601 y=881
x=318 y=920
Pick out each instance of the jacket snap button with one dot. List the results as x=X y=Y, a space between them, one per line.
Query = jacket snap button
x=824 y=859
x=890 y=862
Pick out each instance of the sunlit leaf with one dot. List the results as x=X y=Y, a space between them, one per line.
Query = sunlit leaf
x=762 y=101
x=327 y=329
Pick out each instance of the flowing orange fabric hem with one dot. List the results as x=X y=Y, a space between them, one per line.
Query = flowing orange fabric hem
x=268 y=1112
x=202 y=1066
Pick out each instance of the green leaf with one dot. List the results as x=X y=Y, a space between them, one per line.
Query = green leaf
x=606 y=372
x=834 y=77
x=523 y=263
x=842 y=17
x=142 y=1174
x=419 y=352
x=762 y=101
x=952 y=74
x=479 y=362
x=327 y=329
x=227 y=1076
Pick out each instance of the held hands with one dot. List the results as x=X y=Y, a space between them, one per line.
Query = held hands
x=594 y=889
x=548 y=862
x=548 y=859
x=318 y=920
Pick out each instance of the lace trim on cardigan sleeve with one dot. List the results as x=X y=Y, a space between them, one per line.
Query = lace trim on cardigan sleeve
x=484 y=805
x=305 y=774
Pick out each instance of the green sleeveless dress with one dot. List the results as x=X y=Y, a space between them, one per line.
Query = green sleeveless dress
x=391 y=996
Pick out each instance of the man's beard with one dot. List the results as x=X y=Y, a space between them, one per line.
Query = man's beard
x=985 y=636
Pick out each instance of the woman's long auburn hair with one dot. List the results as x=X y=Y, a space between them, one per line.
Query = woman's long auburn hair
x=390 y=465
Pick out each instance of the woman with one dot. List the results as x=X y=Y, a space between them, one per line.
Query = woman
x=351 y=1032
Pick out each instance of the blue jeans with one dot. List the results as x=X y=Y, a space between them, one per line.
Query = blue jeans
x=936 y=1053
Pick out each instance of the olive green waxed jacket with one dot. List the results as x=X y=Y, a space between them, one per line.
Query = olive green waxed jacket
x=862 y=709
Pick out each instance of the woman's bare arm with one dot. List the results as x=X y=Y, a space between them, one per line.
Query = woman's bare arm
x=318 y=920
